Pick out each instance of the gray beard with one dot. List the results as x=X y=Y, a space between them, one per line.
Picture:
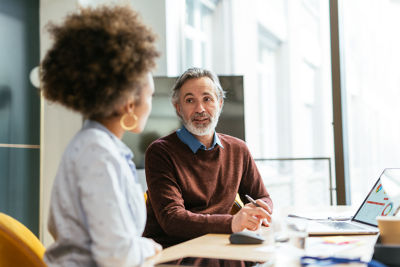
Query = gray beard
x=201 y=131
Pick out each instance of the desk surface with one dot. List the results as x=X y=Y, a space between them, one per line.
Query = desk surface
x=281 y=254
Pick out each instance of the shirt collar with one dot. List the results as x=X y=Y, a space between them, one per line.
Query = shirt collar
x=123 y=149
x=186 y=137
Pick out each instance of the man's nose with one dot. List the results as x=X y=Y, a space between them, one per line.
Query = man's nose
x=199 y=107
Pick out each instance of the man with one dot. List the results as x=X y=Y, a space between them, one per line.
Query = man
x=194 y=174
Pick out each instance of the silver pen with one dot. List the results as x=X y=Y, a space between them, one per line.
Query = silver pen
x=249 y=198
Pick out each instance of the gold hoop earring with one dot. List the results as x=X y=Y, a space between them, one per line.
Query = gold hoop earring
x=132 y=117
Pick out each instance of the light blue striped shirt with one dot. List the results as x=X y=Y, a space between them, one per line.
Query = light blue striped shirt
x=97 y=210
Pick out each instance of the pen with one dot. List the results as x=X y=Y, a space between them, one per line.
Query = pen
x=264 y=221
x=249 y=198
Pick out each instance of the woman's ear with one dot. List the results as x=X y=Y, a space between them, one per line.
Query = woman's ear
x=129 y=105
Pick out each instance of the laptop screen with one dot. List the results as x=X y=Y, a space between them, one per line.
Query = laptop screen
x=377 y=203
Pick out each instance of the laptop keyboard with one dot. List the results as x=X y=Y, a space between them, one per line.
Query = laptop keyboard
x=343 y=225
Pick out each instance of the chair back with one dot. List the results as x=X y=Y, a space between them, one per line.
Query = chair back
x=237 y=205
x=18 y=245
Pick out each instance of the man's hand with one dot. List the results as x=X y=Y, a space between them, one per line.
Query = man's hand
x=250 y=217
x=265 y=206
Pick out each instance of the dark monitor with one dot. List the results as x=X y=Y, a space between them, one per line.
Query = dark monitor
x=163 y=119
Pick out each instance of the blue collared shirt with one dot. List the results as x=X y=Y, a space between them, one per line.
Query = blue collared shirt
x=186 y=137
x=97 y=210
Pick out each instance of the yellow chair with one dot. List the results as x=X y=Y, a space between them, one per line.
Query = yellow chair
x=18 y=245
x=237 y=205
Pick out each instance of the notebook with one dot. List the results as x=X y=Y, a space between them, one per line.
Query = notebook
x=376 y=203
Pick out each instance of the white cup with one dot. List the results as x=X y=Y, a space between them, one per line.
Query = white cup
x=389 y=229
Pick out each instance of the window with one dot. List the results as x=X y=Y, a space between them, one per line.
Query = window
x=371 y=55
x=197 y=32
x=267 y=96
x=282 y=50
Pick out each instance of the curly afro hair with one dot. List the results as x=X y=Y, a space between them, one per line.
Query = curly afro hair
x=98 y=57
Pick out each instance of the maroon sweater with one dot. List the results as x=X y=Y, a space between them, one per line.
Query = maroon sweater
x=189 y=194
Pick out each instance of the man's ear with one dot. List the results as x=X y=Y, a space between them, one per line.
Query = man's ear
x=178 y=108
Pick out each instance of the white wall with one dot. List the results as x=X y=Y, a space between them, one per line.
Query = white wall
x=154 y=15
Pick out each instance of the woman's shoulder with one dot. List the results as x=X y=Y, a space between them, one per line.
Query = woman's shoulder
x=88 y=142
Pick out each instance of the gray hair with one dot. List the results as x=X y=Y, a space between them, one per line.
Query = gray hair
x=193 y=73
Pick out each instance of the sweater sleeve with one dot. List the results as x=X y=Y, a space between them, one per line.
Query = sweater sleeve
x=252 y=183
x=165 y=196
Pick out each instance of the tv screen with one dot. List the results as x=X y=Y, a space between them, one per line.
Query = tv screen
x=163 y=119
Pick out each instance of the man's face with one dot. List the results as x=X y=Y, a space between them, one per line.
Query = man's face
x=199 y=106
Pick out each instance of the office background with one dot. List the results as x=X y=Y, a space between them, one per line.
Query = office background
x=283 y=50
x=19 y=112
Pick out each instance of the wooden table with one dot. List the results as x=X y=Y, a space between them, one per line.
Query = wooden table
x=280 y=254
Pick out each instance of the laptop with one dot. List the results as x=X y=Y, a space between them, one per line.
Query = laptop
x=377 y=203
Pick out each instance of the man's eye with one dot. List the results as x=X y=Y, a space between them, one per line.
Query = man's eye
x=189 y=100
x=207 y=99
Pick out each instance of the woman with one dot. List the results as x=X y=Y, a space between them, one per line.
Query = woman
x=100 y=67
